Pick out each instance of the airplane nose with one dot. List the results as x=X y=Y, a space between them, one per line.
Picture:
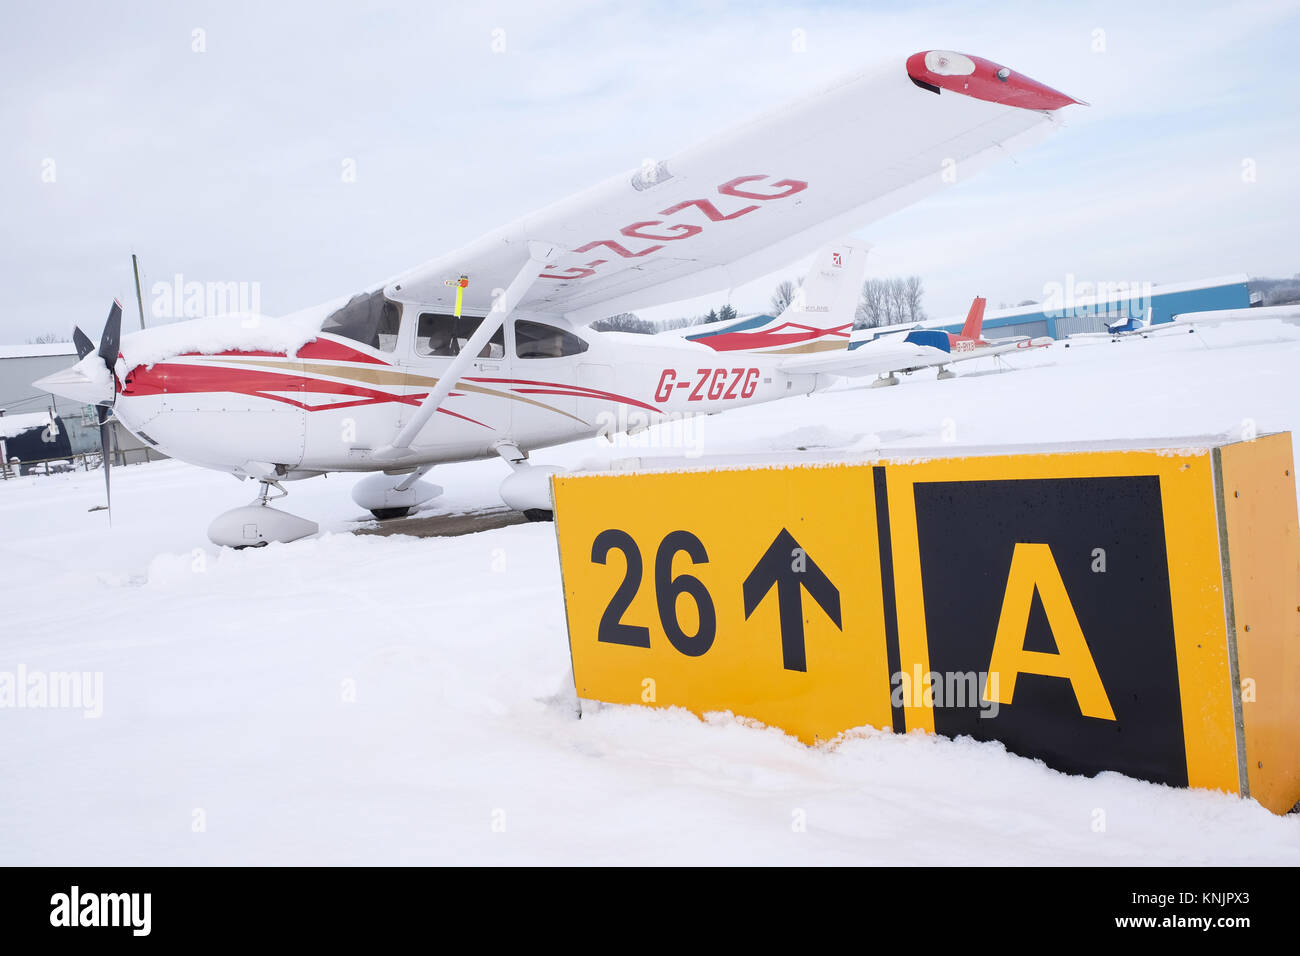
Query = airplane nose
x=88 y=382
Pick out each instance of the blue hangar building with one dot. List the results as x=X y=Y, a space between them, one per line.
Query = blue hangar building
x=1076 y=306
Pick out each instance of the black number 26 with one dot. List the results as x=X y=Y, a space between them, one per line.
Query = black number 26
x=612 y=630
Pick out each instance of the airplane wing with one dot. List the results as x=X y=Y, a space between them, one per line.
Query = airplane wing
x=1020 y=343
x=1285 y=313
x=756 y=196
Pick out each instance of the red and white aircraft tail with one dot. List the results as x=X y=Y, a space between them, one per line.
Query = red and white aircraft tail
x=974 y=326
x=970 y=341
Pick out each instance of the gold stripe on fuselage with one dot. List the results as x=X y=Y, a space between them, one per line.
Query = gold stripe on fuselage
x=392 y=377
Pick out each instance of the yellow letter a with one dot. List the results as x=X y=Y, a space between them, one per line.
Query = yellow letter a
x=1032 y=566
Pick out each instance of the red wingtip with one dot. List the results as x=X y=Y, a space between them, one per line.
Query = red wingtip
x=984 y=80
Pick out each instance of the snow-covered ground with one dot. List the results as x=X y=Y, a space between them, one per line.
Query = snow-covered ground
x=351 y=699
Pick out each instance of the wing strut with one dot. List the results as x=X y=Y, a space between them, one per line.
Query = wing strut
x=539 y=253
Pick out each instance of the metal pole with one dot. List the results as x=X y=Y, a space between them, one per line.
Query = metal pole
x=139 y=300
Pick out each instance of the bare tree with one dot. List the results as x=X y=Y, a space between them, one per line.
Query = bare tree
x=913 y=292
x=897 y=301
x=890 y=302
x=784 y=295
x=871 y=305
x=48 y=338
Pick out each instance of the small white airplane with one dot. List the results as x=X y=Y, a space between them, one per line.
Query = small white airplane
x=1123 y=328
x=483 y=351
x=1131 y=325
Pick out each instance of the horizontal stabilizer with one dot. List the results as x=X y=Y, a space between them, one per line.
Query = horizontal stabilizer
x=916 y=349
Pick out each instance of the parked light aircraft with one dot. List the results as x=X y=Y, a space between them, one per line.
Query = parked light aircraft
x=969 y=343
x=484 y=351
x=1125 y=327
x=1131 y=325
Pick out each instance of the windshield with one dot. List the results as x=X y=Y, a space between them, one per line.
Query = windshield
x=368 y=318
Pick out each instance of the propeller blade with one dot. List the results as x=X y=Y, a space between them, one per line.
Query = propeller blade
x=82 y=341
x=112 y=337
x=106 y=450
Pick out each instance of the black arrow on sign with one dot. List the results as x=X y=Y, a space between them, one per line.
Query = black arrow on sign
x=787 y=567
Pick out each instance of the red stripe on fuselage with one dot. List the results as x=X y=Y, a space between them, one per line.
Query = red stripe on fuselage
x=174 y=379
x=738 y=341
x=330 y=350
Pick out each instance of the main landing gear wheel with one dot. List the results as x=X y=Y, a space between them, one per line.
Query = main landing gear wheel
x=387 y=514
x=394 y=496
x=527 y=488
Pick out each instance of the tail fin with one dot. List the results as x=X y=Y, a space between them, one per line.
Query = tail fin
x=819 y=317
x=974 y=326
x=831 y=289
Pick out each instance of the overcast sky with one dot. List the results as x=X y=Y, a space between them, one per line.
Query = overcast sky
x=212 y=138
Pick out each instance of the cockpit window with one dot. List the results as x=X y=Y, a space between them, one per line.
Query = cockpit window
x=534 y=340
x=369 y=319
x=442 y=334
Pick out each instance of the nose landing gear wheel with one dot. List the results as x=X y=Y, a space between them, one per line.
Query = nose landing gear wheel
x=257 y=525
x=387 y=514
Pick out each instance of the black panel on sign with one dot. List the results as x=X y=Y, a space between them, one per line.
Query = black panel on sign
x=968 y=532
x=1038 y=633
